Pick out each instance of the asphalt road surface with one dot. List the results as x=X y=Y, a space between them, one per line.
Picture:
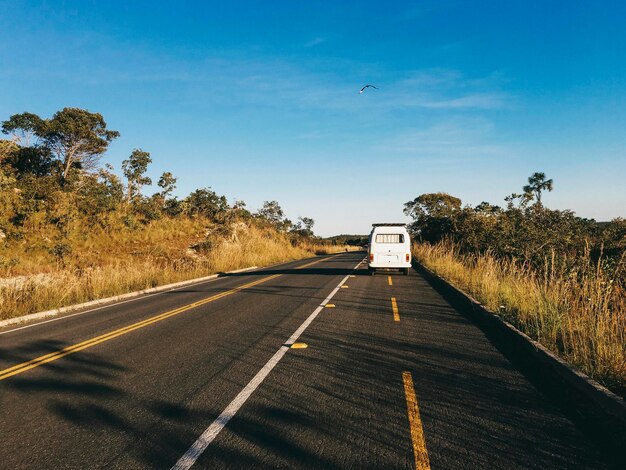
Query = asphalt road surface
x=217 y=375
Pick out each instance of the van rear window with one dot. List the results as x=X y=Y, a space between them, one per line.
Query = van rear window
x=389 y=238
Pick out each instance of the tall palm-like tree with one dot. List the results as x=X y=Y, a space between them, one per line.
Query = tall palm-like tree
x=537 y=183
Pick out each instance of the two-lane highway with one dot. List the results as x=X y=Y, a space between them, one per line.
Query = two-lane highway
x=306 y=364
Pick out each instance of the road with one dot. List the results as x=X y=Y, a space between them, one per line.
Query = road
x=216 y=375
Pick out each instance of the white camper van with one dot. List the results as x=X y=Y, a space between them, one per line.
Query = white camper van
x=389 y=248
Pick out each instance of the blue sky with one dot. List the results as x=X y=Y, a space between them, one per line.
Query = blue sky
x=259 y=100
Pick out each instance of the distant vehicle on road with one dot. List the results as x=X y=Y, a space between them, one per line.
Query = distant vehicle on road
x=389 y=248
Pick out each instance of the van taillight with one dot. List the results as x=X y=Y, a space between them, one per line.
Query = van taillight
x=407 y=257
x=371 y=257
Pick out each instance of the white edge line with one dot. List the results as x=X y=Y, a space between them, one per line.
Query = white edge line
x=119 y=299
x=195 y=451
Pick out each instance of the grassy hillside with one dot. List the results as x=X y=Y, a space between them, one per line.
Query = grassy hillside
x=558 y=277
x=104 y=263
x=582 y=320
x=73 y=230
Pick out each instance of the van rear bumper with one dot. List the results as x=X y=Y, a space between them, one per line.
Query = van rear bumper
x=389 y=265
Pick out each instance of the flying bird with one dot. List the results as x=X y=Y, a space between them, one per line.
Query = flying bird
x=368 y=86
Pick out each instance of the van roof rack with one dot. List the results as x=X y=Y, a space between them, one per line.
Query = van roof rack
x=389 y=225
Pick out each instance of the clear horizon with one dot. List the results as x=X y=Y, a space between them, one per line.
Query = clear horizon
x=261 y=101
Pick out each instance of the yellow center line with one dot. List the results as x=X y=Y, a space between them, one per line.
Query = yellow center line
x=415 y=423
x=55 y=355
x=389 y=280
x=394 y=307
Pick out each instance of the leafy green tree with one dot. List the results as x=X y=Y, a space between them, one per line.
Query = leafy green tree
x=518 y=232
x=487 y=209
x=100 y=195
x=147 y=209
x=26 y=129
x=135 y=172
x=433 y=215
x=173 y=207
x=271 y=212
x=537 y=183
x=205 y=202
x=22 y=161
x=307 y=223
x=522 y=200
x=76 y=138
x=167 y=183
x=239 y=210
x=432 y=205
x=304 y=227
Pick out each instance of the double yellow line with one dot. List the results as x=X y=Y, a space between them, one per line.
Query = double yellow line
x=53 y=356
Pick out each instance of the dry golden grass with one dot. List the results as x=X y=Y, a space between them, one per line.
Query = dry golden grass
x=105 y=264
x=579 y=316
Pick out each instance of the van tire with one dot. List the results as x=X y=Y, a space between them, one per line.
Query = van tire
x=372 y=271
x=405 y=271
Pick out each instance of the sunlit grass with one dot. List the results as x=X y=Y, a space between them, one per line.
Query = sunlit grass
x=104 y=264
x=580 y=316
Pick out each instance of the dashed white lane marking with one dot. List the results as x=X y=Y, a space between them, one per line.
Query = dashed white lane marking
x=195 y=451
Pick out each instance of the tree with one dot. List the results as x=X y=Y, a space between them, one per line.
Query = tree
x=487 y=209
x=100 y=194
x=522 y=200
x=537 y=183
x=22 y=161
x=75 y=137
x=303 y=227
x=135 y=172
x=432 y=205
x=167 y=183
x=308 y=223
x=18 y=153
x=433 y=215
x=24 y=128
x=239 y=211
x=205 y=202
x=272 y=212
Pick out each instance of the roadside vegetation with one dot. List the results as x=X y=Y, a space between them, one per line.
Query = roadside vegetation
x=559 y=278
x=350 y=240
x=73 y=230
